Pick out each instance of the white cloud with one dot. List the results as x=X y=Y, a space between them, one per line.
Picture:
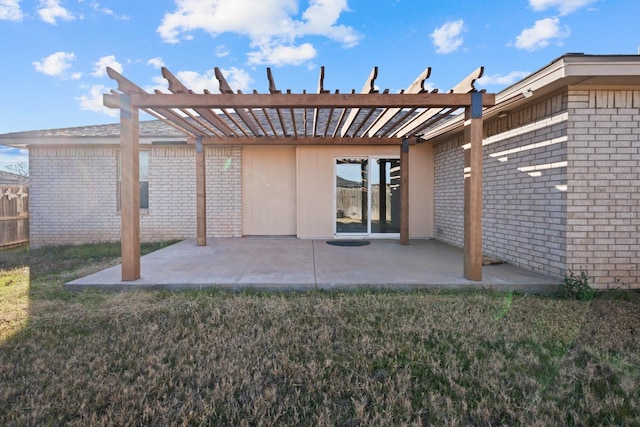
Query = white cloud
x=320 y=18
x=564 y=7
x=107 y=11
x=502 y=80
x=10 y=10
x=283 y=55
x=156 y=62
x=272 y=26
x=198 y=82
x=100 y=66
x=92 y=101
x=159 y=83
x=448 y=37
x=55 y=64
x=51 y=10
x=541 y=34
x=237 y=78
x=222 y=51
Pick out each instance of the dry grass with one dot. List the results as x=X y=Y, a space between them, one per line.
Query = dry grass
x=356 y=358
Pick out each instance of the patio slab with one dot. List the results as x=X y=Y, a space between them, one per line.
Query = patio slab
x=294 y=264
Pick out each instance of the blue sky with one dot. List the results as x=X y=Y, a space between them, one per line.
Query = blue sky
x=55 y=51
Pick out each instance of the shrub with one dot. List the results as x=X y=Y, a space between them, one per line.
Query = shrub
x=576 y=286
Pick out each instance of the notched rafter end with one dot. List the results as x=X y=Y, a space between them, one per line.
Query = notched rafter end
x=175 y=85
x=370 y=86
x=224 y=86
x=124 y=84
x=272 y=82
x=473 y=82
x=321 y=88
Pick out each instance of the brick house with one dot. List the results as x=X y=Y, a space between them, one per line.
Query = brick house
x=561 y=187
x=561 y=179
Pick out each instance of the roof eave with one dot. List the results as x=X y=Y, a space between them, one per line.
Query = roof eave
x=26 y=142
x=568 y=70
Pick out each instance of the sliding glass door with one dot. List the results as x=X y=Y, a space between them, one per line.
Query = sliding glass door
x=367 y=197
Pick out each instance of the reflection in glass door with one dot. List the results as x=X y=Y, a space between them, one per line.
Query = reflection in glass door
x=385 y=196
x=367 y=196
x=351 y=196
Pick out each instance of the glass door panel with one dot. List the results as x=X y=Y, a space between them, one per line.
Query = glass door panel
x=351 y=196
x=367 y=196
x=385 y=196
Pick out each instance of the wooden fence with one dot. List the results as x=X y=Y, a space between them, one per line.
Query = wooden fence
x=14 y=215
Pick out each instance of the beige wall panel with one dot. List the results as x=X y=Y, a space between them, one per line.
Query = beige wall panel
x=421 y=191
x=269 y=190
x=315 y=172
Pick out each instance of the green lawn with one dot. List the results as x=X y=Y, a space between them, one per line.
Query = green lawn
x=316 y=358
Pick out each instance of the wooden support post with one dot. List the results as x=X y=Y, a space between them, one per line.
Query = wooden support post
x=404 y=192
x=201 y=194
x=129 y=190
x=473 y=189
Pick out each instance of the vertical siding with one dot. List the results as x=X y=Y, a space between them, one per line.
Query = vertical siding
x=269 y=190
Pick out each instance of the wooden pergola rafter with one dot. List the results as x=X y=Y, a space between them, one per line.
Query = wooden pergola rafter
x=369 y=117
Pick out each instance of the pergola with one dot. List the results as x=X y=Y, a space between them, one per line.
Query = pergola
x=370 y=117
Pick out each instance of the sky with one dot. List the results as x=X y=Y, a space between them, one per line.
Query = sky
x=55 y=52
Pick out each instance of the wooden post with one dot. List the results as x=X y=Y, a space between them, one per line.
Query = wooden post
x=404 y=192
x=129 y=189
x=473 y=189
x=201 y=194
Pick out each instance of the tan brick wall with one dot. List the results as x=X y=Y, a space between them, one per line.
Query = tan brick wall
x=224 y=191
x=603 y=181
x=524 y=178
x=74 y=194
x=172 y=202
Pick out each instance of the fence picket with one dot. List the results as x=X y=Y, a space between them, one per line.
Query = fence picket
x=14 y=215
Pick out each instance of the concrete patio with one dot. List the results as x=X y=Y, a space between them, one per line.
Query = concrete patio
x=294 y=264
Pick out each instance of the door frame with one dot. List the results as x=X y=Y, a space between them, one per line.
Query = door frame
x=368 y=233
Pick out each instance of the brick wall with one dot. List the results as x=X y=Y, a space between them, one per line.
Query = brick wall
x=172 y=202
x=74 y=194
x=224 y=191
x=524 y=187
x=449 y=191
x=603 y=181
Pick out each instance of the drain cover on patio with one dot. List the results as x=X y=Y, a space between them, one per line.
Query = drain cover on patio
x=348 y=242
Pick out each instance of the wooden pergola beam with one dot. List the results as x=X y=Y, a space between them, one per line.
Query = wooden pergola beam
x=176 y=86
x=301 y=140
x=368 y=88
x=224 y=87
x=416 y=87
x=304 y=100
x=467 y=85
